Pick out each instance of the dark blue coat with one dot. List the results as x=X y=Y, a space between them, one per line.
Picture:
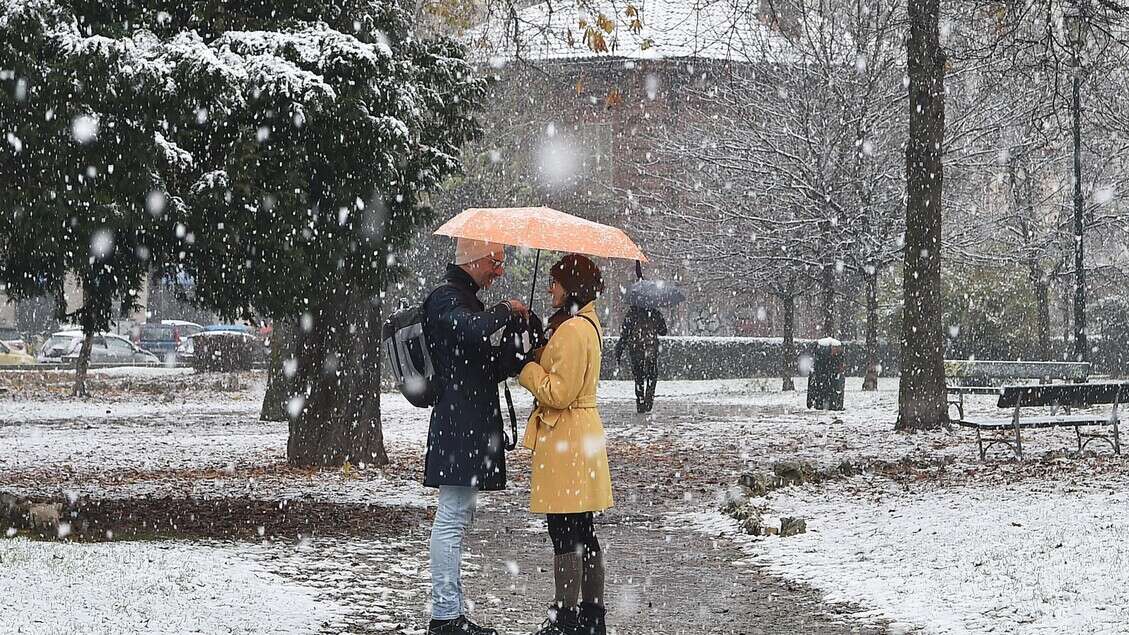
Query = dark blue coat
x=465 y=445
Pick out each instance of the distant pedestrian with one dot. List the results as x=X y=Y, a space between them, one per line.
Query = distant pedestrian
x=465 y=447
x=570 y=479
x=640 y=334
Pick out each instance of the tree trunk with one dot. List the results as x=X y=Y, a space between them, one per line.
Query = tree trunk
x=154 y=302
x=279 y=386
x=83 y=363
x=921 y=396
x=870 y=381
x=368 y=434
x=1025 y=209
x=338 y=387
x=1081 y=348
x=1067 y=324
x=86 y=320
x=1043 y=309
x=788 y=350
x=828 y=289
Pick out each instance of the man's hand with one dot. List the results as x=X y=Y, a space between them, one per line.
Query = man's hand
x=519 y=308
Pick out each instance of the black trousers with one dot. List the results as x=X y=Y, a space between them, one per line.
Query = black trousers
x=645 y=368
x=573 y=533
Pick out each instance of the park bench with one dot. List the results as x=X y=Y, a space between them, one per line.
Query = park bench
x=982 y=377
x=1058 y=397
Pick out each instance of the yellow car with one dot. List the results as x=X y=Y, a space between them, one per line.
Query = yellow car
x=8 y=357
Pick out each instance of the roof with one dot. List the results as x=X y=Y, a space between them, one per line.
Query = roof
x=666 y=29
x=74 y=333
x=180 y=323
x=228 y=328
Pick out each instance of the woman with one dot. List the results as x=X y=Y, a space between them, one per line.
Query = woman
x=570 y=477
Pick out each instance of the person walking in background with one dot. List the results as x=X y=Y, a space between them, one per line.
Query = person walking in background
x=570 y=477
x=640 y=334
x=465 y=446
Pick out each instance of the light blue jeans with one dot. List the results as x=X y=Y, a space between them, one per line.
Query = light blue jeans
x=452 y=519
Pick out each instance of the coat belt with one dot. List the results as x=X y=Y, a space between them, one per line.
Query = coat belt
x=587 y=401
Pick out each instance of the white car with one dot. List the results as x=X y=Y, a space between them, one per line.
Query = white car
x=13 y=339
x=64 y=346
x=186 y=350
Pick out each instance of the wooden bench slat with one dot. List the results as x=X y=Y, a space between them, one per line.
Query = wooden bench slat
x=1065 y=421
x=975 y=390
x=1071 y=395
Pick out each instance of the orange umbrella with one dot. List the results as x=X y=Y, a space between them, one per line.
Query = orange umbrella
x=542 y=228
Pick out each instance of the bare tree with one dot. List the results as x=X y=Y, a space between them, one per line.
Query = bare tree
x=794 y=153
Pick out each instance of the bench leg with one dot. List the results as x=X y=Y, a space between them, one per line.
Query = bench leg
x=1078 y=433
x=1116 y=437
x=980 y=443
x=1018 y=445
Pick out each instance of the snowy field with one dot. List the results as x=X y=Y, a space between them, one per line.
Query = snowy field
x=1040 y=546
x=1030 y=558
x=149 y=587
x=952 y=546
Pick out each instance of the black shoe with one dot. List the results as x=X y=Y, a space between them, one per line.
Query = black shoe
x=592 y=619
x=458 y=626
x=562 y=621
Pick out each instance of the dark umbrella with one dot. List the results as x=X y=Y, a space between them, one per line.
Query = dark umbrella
x=653 y=294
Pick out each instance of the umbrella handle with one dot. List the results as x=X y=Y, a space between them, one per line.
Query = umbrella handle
x=532 y=287
x=638 y=270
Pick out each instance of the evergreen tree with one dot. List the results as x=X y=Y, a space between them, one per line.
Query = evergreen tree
x=83 y=157
x=316 y=140
x=285 y=157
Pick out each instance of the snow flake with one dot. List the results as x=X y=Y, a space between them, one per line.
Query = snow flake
x=102 y=244
x=84 y=129
x=155 y=202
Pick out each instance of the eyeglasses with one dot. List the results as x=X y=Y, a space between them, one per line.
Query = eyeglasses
x=497 y=264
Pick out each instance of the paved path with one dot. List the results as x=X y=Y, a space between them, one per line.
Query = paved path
x=660 y=580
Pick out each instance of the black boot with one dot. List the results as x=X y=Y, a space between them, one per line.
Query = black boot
x=592 y=619
x=562 y=621
x=458 y=626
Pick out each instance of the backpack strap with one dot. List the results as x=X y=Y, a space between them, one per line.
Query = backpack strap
x=510 y=439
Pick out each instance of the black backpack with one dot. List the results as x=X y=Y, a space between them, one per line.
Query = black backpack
x=409 y=358
x=410 y=361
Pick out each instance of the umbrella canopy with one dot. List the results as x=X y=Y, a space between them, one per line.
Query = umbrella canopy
x=653 y=294
x=542 y=228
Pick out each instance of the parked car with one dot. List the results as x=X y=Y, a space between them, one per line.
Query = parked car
x=186 y=350
x=64 y=346
x=163 y=338
x=12 y=357
x=60 y=343
x=13 y=339
x=224 y=347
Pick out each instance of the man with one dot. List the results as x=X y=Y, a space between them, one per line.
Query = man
x=465 y=447
x=640 y=335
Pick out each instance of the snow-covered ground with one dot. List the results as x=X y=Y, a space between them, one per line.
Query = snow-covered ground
x=986 y=547
x=149 y=587
x=1029 y=558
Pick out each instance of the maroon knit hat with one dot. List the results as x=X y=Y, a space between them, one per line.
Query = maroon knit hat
x=579 y=276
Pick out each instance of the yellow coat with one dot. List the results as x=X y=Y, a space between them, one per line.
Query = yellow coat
x=570 y=461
